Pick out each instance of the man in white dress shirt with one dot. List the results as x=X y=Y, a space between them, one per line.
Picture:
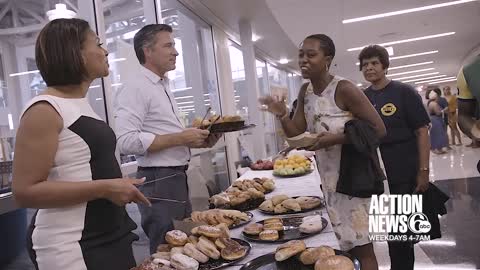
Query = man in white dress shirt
x=148 y=126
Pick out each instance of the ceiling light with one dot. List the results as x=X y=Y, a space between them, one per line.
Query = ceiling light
x=412 y=65
x=359 y=84
x=23 y=73
x=283 y=61
x=405 y=40
x=59 y=12
x=408 y=56
x=450 y=80
x=416 y=76
x=390 y=51
x=184 y=97
x=405 y=11
x=435 y=80
x=181 y=89
x=421 y=79
x=409 y=72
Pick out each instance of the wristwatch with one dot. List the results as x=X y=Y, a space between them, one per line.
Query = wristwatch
x=424 y=169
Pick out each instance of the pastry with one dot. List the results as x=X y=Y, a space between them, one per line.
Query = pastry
x=194 y=231
x=308 y=202
x=176 y=250
x=267 y=206
x=147 y=265
x=259 y=187
x=231 y=253
x=292 y=204
x=164 y=248
x=269 y=235
x=161 y=255
x=241 y=198
x=191 y=251
x=335 y=262
x=209 y=231
x=272 y=220
x=222 y=243
x=279 y=209
x=312 y=226
x=311 y=255
x=289 y=249
x=176 y=238
x=208 y=248
x=277 y=226
x=253 y=229
x=269 y=185
x=221 y=199
x=255 y=194
x=225 y=232
x=161 y=262
x=278 y=199
x=183 y=262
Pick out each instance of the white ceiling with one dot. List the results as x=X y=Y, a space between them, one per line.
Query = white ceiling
x=300 y=18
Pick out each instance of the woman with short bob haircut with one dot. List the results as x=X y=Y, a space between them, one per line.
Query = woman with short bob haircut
x=65 y=162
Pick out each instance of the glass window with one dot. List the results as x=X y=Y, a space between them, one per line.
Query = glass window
x=20 y=80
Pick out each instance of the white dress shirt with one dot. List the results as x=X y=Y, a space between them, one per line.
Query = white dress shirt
x=143 y=108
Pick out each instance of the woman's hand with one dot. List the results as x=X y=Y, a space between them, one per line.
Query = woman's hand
x=324 y=140
x=273 y=105
x=122 y=191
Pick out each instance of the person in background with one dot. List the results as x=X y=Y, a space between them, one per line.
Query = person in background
x=65 y=162
x=468 y=82
x=148 y=126
x=438 y=134
x=324 y=105
x=452 y=115
x=406 y=148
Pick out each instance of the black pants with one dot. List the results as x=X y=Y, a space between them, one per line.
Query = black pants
x=401 y=167
x=157 y=220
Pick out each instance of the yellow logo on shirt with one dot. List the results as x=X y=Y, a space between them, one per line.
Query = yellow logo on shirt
x=388 y=109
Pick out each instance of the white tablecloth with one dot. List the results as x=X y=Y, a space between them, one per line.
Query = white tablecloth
x=308 y=185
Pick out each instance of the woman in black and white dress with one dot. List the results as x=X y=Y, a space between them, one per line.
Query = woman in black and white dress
x=65 y=163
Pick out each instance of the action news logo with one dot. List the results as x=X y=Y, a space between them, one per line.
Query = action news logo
x=397 y=218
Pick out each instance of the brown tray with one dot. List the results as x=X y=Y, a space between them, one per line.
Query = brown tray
x=228 y=127
x=246 y=206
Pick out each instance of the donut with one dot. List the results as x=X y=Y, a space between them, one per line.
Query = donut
x=176 y=238
x=183 y=262
x=277 y=226
x=231 y=253
x=253 y=229
x=269 y=235
x=209 y=231
x=191 y=251
x=208 y=248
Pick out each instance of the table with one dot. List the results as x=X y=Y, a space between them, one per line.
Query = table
x=307 y=185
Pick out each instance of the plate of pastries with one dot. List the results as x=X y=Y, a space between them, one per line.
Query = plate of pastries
x=233 y=218
x=275 y=229
x=206 y=248
x=221 y=124
x=243 y=195
x=293 y=166
x=296 y=255
x=262 y=165
x=282 y=204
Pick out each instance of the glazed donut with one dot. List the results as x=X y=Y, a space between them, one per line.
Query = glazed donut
x=183 y=262
x=208 y=248
x=277 y=226
x=253 y=229
x=191 y=251
x=311 y=255
x=269 y=235
x=176 y=238
x=209 y=231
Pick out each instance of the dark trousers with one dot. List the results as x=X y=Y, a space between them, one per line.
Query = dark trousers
x=401 y=167
x=157 y=220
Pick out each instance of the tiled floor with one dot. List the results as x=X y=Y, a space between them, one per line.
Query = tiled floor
x=456 y=174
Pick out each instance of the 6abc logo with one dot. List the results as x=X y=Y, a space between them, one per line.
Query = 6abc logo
x=418 y=223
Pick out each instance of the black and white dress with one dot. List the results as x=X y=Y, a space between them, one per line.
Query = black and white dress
x=92 y=235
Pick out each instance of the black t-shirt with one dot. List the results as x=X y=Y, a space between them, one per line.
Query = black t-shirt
x=402 y=112
x=401 y=109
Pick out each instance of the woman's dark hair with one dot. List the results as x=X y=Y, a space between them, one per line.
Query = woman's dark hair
x=326 y=44
x=58 y=52
x=374 y=51
x=438 y=91
x=146 y=38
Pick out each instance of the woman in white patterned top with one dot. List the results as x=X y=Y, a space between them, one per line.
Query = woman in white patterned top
x=324 y=106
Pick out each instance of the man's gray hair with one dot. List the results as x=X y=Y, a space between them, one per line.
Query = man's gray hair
x=145 y=38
